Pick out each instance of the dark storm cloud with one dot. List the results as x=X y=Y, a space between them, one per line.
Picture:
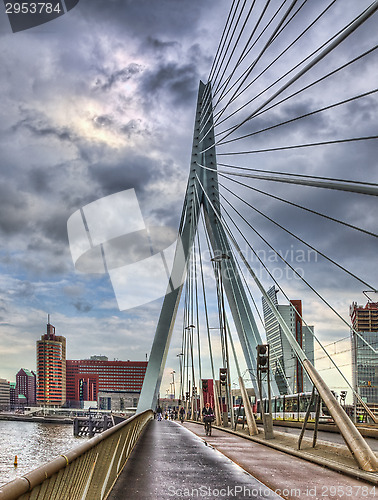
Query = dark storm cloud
x=158 y=47
x=53 y=227
x=39 y=126
x=108 y=81
x=167 y=17
x=12 y=211
x=142 y=173
x=282 y=125
x=135 y=172
x=177 y=82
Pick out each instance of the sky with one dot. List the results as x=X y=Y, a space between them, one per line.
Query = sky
x=102 y=100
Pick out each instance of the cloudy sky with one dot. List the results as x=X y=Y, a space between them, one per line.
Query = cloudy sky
x=102 y=100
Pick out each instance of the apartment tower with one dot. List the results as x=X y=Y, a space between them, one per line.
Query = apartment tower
x=51 y=368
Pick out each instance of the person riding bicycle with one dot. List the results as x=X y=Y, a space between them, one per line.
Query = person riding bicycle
x=208 y=417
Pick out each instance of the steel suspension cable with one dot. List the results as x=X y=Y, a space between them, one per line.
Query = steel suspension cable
x=294 y=270
x=224 y=85
x=224 y=243
x=197 y=308
x=221 y=220
x=236 y=42
x=375 y=235
x=347 y=32
x=290 y=174
x=218 y=122
x=245 y=53
x=214 y=78
x=300 y=146
x=293 y=68
x=291 y=234
x=339 y=186
x=320 y=214
x=260 y=109
x=286 y=23
x=219 y=49
x=306 y=115
x=197 y=313
x=257 y=59
x=280 y=288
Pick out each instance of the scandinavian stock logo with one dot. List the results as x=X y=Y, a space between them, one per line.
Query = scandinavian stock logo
x=110 y=236
x=25 y=15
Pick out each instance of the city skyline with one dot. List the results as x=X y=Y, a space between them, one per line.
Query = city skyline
x=102 y=100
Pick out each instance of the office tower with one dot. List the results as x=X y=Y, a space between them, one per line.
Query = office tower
x=26 y=385
x=86 y=377
x=12 y=396
x=4 y=395
x=284 y=365
x=364 y=338
x=51 y=368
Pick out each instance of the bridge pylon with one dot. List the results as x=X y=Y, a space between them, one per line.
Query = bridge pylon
x=201 y=194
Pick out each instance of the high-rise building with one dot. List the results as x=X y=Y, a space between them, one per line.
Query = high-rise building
x=51 y=368
x=26 y=385
x=284 y=365
x=12 y=395
x=86 y=377
x=364 y=338
x=4 y=395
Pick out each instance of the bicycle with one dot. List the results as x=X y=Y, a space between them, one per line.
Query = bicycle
x=208 y=419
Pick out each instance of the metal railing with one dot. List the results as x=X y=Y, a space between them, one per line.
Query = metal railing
x=86 y=472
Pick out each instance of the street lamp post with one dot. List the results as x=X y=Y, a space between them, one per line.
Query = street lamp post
x=181 y=393
x=174 y=386
x=193 y=397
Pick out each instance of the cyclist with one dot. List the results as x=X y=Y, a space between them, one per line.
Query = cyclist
x=208 y=417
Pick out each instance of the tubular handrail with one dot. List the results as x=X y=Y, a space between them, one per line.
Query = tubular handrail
x=87 y=471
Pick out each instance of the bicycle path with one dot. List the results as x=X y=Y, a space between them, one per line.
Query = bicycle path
x=292 y=477
x=170 y=461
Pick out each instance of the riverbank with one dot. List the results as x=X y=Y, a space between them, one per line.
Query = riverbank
x=36 y=419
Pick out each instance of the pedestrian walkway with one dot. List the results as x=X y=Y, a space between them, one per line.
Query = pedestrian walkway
x=290 y=475
x=170 y=461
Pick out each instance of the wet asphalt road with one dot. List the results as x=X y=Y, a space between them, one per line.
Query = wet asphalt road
x=171 y=462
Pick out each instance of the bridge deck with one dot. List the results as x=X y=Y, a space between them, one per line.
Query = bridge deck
x=169 y=461
x=291 y=476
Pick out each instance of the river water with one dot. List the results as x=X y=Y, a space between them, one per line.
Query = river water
x=34 y=444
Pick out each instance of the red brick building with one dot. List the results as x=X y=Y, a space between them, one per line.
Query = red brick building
x=26 y=385
x=86 y=377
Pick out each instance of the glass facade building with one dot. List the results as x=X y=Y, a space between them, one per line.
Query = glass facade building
x=284 y=365
x=364 y=338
